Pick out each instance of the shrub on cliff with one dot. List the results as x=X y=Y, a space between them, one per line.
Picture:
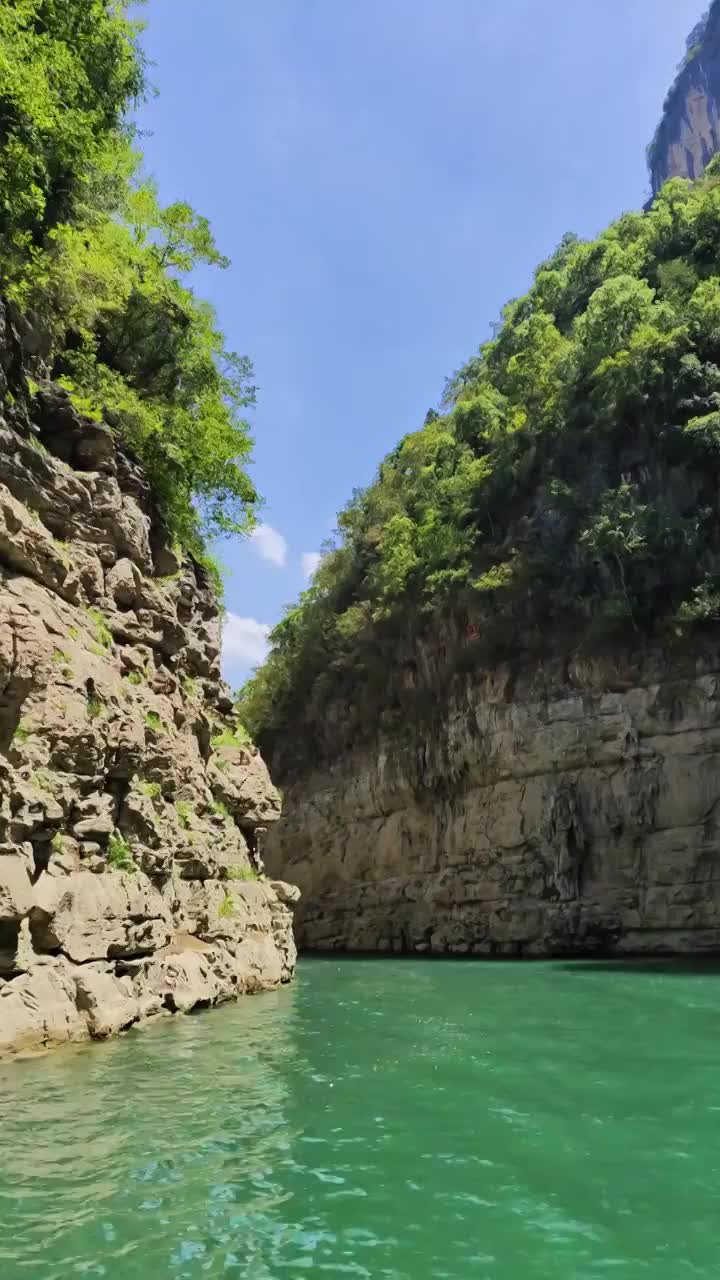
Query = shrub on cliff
x=569 y=489
x=85 y=242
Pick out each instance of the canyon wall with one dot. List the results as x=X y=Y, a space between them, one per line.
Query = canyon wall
x=131 y=807
x=572 y=808
x=689 y=132
x=495 y=712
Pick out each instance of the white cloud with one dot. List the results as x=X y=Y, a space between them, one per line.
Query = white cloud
x=310 y=562
x=270 y=544
x=245 y=640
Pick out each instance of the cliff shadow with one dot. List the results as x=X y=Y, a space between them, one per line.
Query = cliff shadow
x=685 y=966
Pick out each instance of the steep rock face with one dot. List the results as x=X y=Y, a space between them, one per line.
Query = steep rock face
x=569 y=809
x=130 y=813
x=689 y=132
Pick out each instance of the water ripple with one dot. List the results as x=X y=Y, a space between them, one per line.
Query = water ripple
x=396 y=1120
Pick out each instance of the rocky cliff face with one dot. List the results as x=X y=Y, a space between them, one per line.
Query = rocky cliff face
x=572 y=808
x=689 y=132
x=130 y=810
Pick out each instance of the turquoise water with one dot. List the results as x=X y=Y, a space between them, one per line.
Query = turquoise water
x=391 y=1119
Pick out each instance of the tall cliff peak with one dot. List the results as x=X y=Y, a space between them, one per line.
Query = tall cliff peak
x=689 y=132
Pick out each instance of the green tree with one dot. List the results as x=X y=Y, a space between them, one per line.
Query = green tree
x=568 y=489
x=69 y=70
x=85 y=241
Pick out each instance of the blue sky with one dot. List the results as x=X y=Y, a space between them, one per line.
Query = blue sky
x=384 y=175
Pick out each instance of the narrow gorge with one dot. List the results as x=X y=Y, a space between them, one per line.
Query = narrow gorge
x=471 y=774
x=495 y=712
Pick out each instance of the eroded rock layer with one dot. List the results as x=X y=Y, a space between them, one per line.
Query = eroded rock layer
x=572 y=809
x=130 y=810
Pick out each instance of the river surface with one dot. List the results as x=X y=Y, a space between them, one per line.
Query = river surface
x=386 y=1118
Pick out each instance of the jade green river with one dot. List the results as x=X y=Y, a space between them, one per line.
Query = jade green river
x=383 y=1118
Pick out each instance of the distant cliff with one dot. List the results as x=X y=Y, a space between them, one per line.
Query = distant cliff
x=564 y=807
x=689 y=132
x=495 y=712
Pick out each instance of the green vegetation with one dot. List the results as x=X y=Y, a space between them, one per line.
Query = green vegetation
x=219 y=809
x=22 y=733
x=237 y=737
x=227 y=906
x=135 y=677
x=62 y=659
x=567 y=495
x=85 y=242
x=36 y=443
x=62 y=547
x=47 y=782
x=153 y=721
x=95 y=706
x=241 y=873
x=103 y=634
x=119 y=855
x=151 y=789
x=185 y=813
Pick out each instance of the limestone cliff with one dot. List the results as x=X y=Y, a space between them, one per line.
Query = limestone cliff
x=689 y=132
x=571 y=807
x=495 y=711
x=130 y=808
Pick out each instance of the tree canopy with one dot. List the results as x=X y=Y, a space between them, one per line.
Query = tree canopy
x=568 y=489
x=86 y=243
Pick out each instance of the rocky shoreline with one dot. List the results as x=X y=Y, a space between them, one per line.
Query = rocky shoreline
x=131 y=805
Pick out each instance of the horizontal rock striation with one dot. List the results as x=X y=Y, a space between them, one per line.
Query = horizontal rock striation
x=131 y=810
x=573 y=808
